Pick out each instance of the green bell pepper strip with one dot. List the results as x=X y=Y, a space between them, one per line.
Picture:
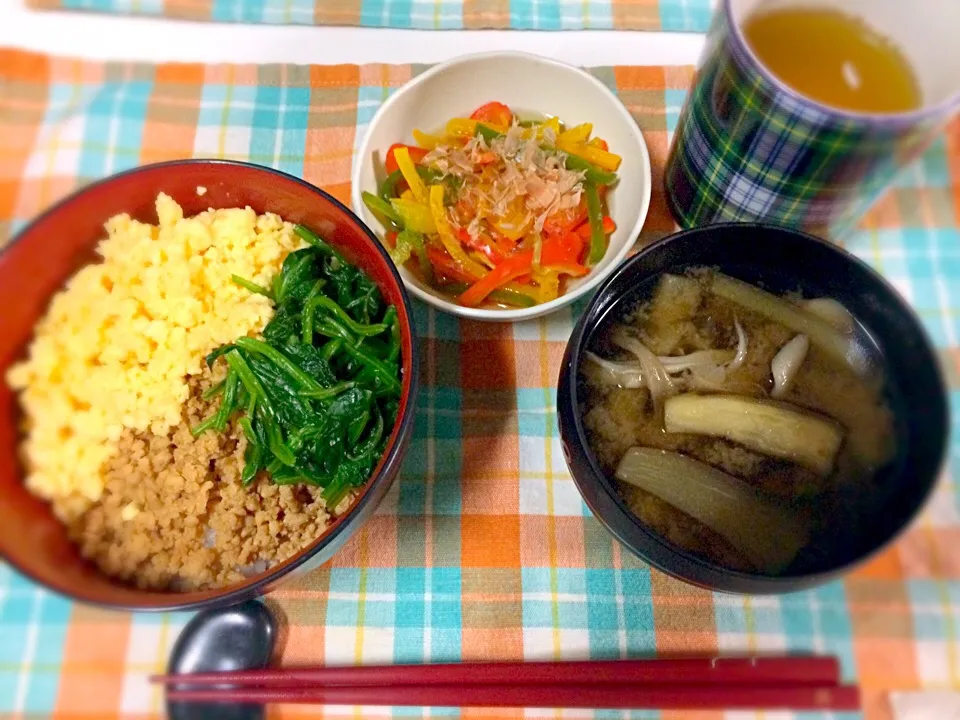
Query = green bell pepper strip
x=598 y=239
x=383 y=209
x=504 y=296
x=487 y=132
x=388 y=188
x=592 y=173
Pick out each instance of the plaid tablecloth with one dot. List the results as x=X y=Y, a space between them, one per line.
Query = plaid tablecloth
x=483 y=548
x=665 y=15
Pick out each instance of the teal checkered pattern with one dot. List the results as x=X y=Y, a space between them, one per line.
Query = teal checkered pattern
x=663 y=15
x=483 y=547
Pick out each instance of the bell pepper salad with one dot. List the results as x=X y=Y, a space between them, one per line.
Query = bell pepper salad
x=496 y=211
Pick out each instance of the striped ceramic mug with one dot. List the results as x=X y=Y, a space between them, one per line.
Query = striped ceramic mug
x=749 y=148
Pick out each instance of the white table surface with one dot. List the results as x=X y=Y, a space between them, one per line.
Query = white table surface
x=105 y=37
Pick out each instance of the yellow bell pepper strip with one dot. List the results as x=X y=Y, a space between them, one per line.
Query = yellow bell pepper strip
x=415 y=216
x=461 y=127
x=549 y=282
x=537 y=128
x=599 y=142
x=574 y=269
x=551 y=124
x=518 y=289
x=511 y=268
x=426 y=141
x=382 y=209
x=605 y=159
x=515 y=224
x=537 y=251
x=600 y=158
x=578 y=134
x=447 y=237
x=598 y=239
x=466 y=128
x=409 y=170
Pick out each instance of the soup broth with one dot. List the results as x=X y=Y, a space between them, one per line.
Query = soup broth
x=691 y=371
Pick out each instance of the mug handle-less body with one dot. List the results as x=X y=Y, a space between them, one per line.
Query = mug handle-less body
x=749 y=148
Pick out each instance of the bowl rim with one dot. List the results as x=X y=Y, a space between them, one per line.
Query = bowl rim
x=597 y=490
x=387 y=467
x=591 y=282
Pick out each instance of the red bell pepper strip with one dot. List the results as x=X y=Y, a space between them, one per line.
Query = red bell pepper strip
x=564 y=220
x=559 y=252
x=511 y=268
x=495 y=113
x=445 y=265
x=416 y=154
x=608 y=227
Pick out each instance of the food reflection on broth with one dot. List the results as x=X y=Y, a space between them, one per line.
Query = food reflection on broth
x=736 y=421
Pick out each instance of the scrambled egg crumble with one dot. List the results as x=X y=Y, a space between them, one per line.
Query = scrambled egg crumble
x=118 y=344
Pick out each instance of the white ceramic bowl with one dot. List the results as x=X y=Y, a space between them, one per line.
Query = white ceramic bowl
x=527 y=83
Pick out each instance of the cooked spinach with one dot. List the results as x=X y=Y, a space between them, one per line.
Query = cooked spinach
x=318 y=395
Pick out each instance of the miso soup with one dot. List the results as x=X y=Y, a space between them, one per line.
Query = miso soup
x=737 y=423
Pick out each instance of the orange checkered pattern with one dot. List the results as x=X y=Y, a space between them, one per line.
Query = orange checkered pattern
x=483 y=547
x=664 y=15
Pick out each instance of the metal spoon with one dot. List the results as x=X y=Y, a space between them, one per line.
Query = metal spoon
x=237 y=637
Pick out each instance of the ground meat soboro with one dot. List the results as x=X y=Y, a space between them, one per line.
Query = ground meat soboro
x=174 y=515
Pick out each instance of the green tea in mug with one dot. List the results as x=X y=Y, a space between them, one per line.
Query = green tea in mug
x=833 y=58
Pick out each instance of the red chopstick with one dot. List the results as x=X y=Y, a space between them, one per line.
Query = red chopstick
x=799 y=670
x=702 y=697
